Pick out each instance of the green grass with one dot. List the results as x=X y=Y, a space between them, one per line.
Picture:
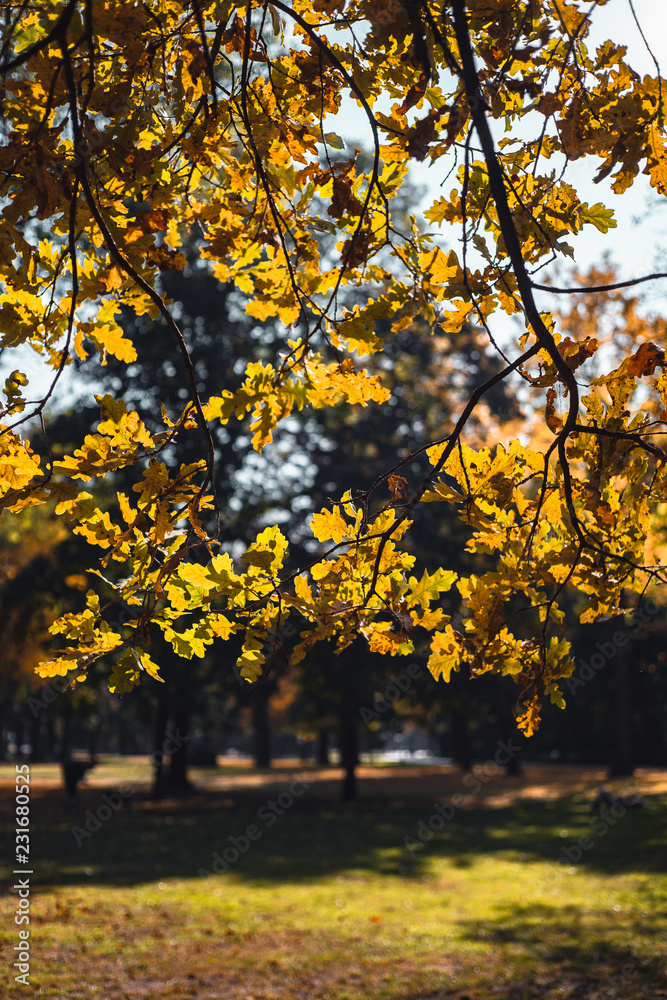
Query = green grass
x=329 y=903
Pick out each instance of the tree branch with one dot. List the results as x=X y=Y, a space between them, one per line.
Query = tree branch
x=598 y=288
x=57 y=32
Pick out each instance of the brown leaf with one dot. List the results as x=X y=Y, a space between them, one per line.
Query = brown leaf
x=339 y=607
x=356 y=249
x=549 y=104
x=402 y=616
x=456 y=121
x=530 y=87
x=414 y=95
x=571 y=129
x=166 y=259
x=397 y=487
x=645 y=360
x=596 y=505
x=153 y=220
x=343 y=200
x=576 y=353
x=423 y=133
x=554 y=421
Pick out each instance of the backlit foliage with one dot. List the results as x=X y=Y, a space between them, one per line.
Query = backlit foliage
x=131 y=128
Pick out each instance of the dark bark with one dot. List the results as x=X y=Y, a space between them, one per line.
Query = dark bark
x=323 y=748
x=260 y=718
x=74 y=771
x=159 y=733
x=4 y=715
x=121 y=733
x=350 y=669
x=50 y=737
x=177 y=773
x=36 y=753
x=461 y=740
x=622 y=763
x=513 y=765
x=64 y=748
x=93 y=734
x=349 y=755
x=444 y=738
x=507 y=733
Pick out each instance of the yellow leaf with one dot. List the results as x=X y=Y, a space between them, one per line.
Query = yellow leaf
x=529 y=720
x=144 y=661
x=429 y=588
x=447 y=653
x=268 y=550
x=221 y=626
x=59 y=667
x=302 y=590
x=329 y=524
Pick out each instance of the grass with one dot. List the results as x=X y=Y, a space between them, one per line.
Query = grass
x=328 y=903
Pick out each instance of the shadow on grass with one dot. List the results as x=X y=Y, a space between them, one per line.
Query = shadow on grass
x=312 y=839
x=583 y=948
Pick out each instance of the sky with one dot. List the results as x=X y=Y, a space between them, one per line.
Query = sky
x=637 y=246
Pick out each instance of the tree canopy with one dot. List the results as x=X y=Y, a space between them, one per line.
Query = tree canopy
x=135 y=132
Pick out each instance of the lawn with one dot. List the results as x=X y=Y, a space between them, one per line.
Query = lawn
x=328 y=902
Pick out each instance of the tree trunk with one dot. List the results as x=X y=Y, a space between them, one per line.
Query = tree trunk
x=64 y=748
x=461 y=740
x=513 y=765
x=323 y=748
x=50 y=737
x=36 y=754
x=121 y=733
x=507 y=732
x=93 y=734
x=177 y=775
x=159 y=736
x=349 y=756
x=622 y=764
x=3 y=731
x=260 y=718
x=444 y=737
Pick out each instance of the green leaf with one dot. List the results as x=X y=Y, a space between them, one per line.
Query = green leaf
x=597 y=215
x=125 y=674
x=334 y=140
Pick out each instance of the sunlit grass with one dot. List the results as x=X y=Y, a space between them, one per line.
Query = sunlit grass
x=330 y=902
